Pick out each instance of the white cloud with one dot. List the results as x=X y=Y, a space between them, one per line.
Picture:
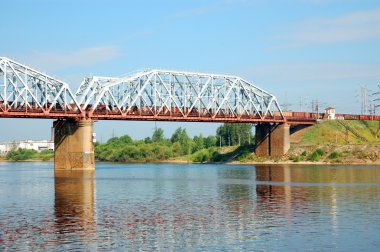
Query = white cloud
x=351 y=27
x=59 y=60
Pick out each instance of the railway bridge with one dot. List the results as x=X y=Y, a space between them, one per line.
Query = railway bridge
x=151 y=95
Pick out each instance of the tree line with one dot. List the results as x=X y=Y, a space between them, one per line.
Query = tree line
x=157 y=147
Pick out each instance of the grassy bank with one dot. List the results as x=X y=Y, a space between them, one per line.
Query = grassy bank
x=24 y=154
x=347 y=142
x=343 y=132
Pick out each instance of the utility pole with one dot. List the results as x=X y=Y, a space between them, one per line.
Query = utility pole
x=363 y=99
x=286 y=102
x=286 y=105
x=371 y=109
x=315 y=107
x=376 y=100
x=306 y=104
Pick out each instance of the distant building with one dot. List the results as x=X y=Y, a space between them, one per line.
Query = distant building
x=330 y=113
x=27 y=144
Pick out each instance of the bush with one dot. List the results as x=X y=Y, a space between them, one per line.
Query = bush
x=243 y=155
x=295 y=159
x=314 y=156
x=20 y=154
x=320 y=152
x=333 y=155
x=201 y=156
x=304 y=153
x=216 y=157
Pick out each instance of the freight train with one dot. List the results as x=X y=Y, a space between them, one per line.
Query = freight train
x=320 y=116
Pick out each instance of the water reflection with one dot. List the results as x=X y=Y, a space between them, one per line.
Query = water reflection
x=234 y=191
x=195 y=207
x=318 y=174
x=74 y=202
x=315 y=192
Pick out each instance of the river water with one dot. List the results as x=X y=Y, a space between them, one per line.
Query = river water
x=180 y=207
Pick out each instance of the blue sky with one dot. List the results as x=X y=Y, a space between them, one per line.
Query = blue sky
x=313 y=49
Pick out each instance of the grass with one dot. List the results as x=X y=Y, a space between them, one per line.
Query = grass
x=332 y=132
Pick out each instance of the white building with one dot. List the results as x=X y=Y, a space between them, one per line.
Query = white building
x=27 y=144
x=330 y=112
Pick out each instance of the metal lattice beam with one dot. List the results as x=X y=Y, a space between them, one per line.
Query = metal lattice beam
x=172 y=95
x=144 y=95
x=25 y=92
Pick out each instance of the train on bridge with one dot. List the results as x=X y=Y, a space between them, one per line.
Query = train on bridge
x=109 y=112
x=307 y=116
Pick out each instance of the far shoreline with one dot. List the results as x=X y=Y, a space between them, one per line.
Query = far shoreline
x=267 y=162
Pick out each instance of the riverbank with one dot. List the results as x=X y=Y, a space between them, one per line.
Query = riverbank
x=330 y=142
x=304 y=153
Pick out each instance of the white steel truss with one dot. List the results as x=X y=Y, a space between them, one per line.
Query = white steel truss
x=144 y=95
x=161 y=93
x=25 y=90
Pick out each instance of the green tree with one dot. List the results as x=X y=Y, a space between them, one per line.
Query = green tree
x=118 y=141
x=183 y=139
x=210 y=141
x=234 y=134
x=199 y=143
x=158 y=135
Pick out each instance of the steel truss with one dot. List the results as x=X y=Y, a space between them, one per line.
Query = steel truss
x=144 y=95
x=25 y=92
x=183 y=96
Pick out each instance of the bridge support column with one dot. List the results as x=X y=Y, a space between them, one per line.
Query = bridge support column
x=73 y=145
x=272 y=140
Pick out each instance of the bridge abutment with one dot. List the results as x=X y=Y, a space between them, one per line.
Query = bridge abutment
x=73 y=145
x=272 y=140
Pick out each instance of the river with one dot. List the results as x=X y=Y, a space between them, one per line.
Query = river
x=178 y=207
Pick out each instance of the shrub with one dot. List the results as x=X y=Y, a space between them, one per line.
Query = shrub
x=20 y=154
x=201 y=156
x=333 y=155
x=320 y=152
x=243 y=155
x=216 y=157
x=295 y=159
x=315 y=156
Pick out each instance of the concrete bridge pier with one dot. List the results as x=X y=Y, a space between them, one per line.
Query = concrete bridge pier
x=73 y=145
x=272 y=140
